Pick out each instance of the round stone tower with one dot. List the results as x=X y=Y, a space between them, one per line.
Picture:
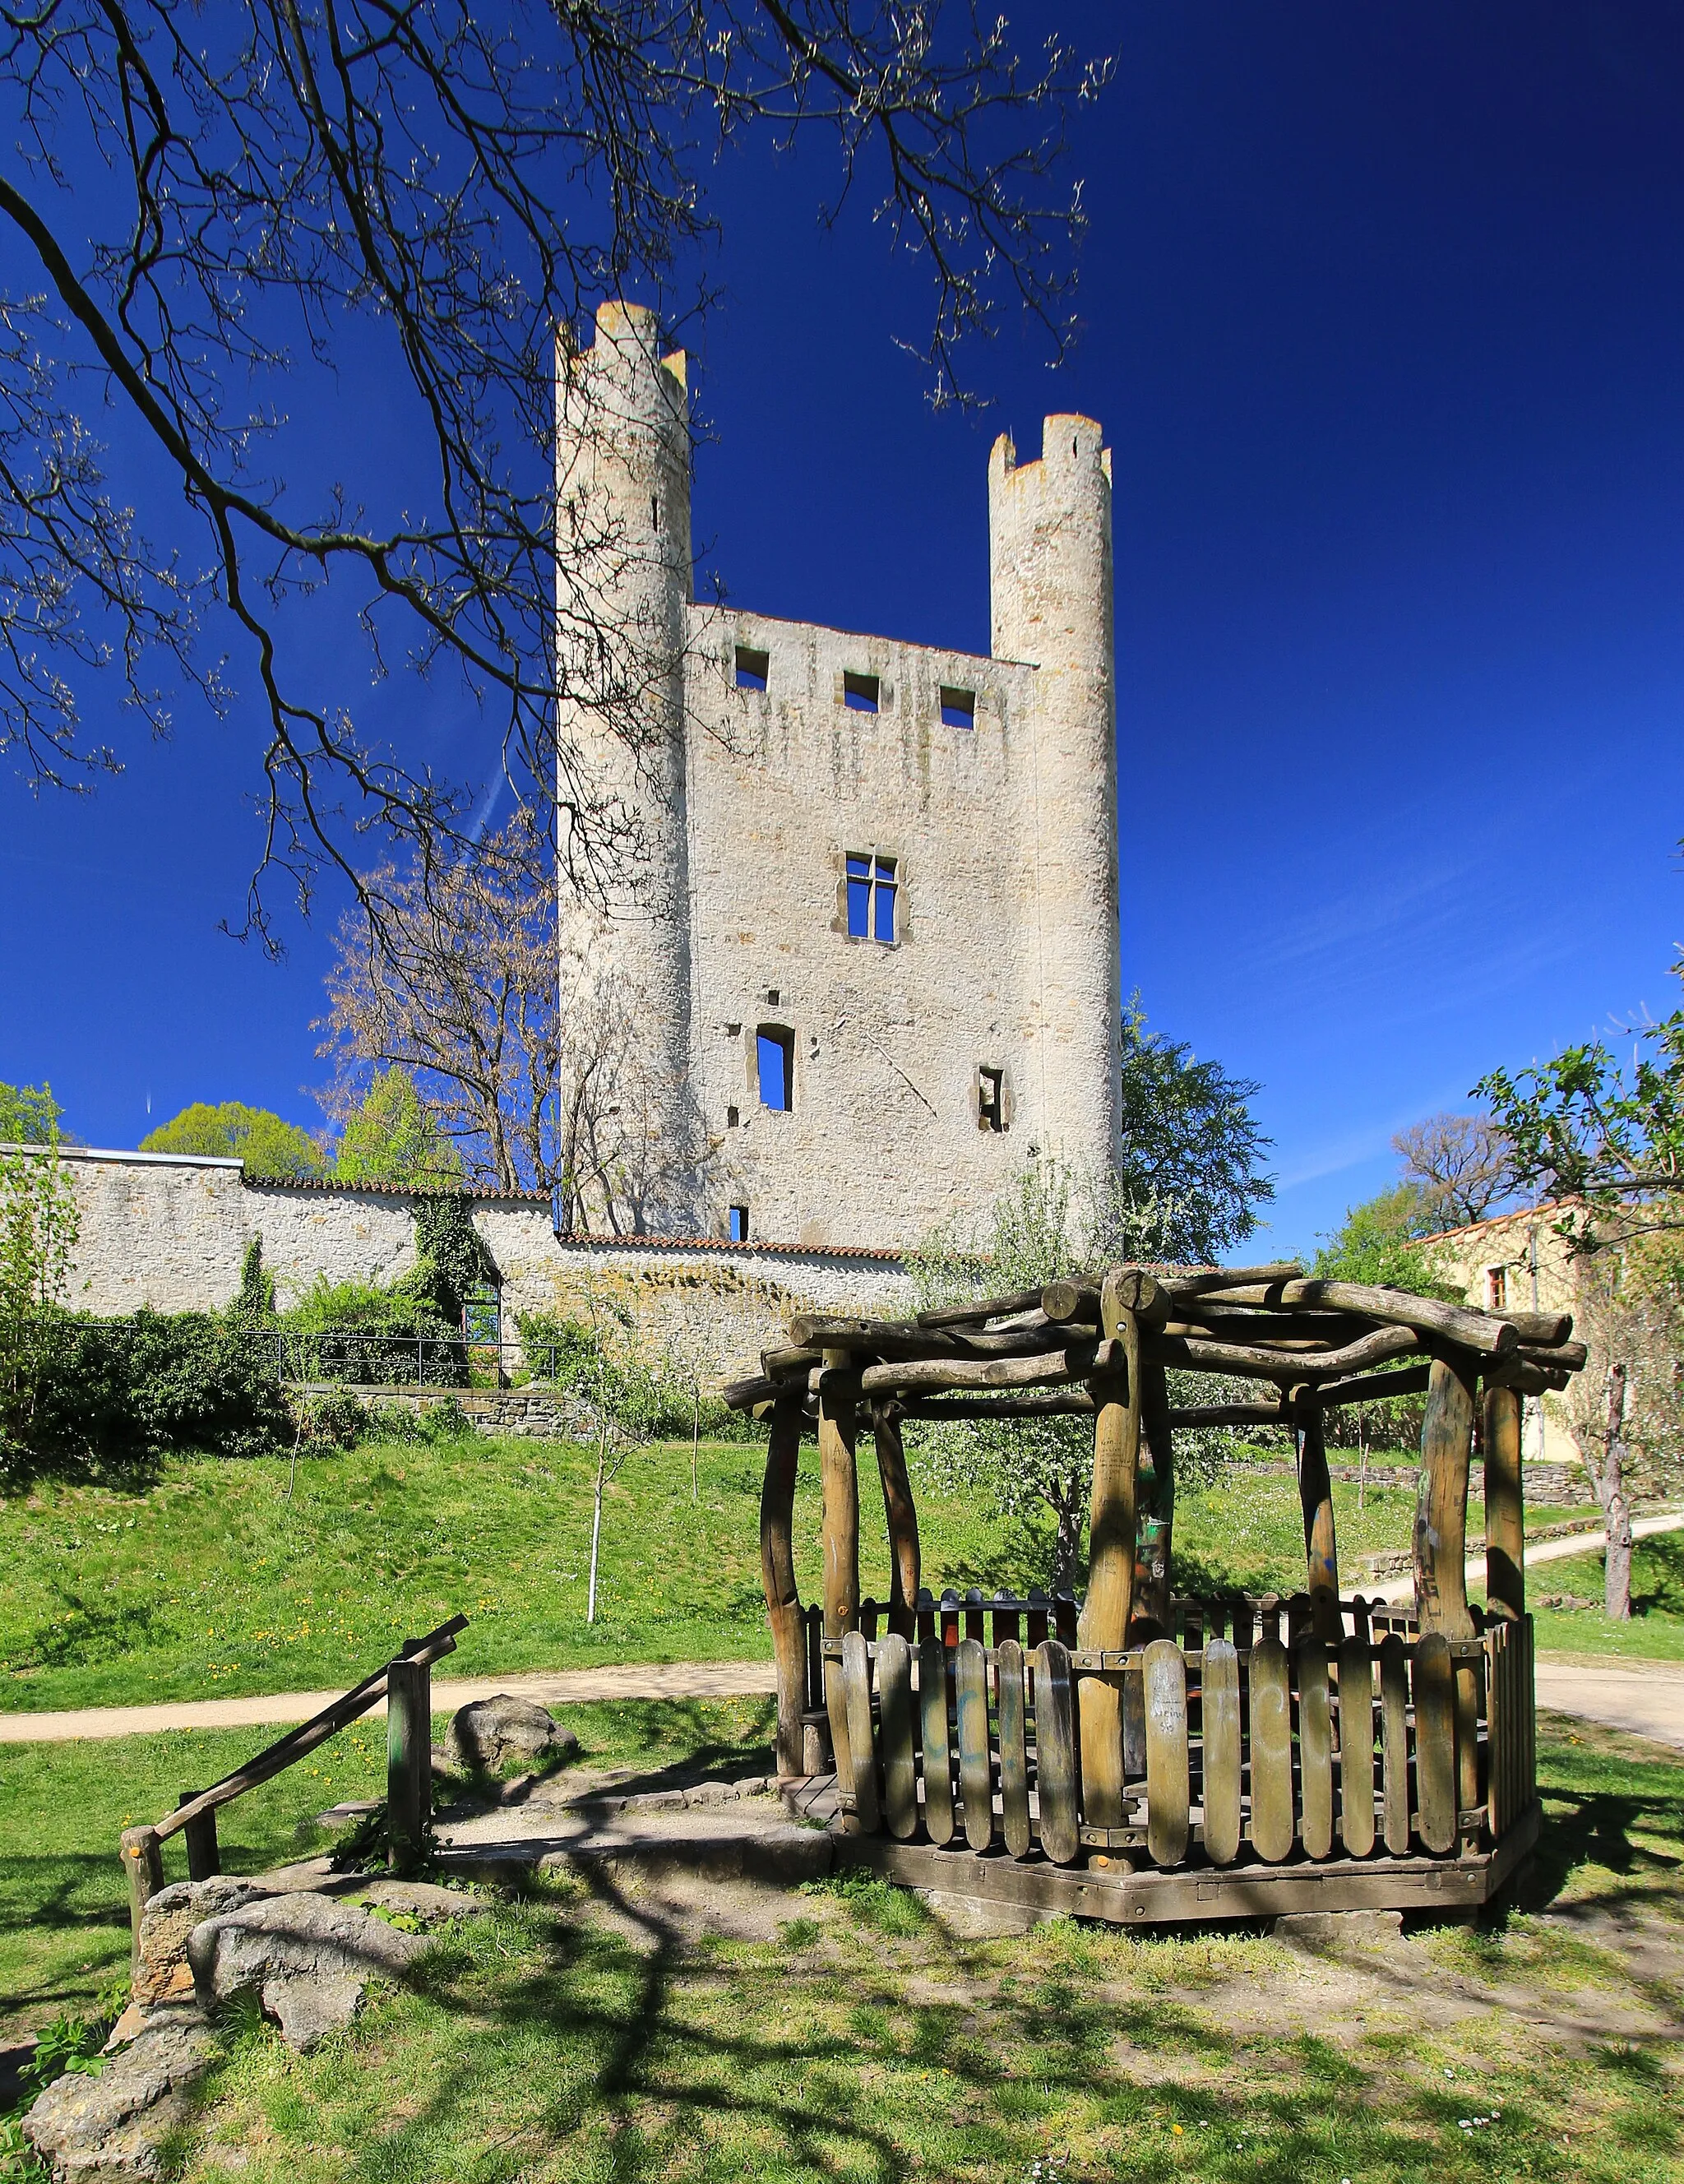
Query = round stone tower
x=624 y=595
x=1051 y=598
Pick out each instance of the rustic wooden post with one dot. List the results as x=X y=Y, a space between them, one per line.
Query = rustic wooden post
x=901 y=1518
x=778 y=1575
x=1505 y=1510
x=1155 y=1499
x=839 y=1479
x=1315 y=1500
x=408 y=1761
x=1441 y=1506
x=204 y=1858
x=1106 y=1613
x=142 y=1856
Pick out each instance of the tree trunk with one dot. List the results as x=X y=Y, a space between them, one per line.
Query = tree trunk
x=1067 y=1545
x=1604 y=1455
x=695 y=1438
x=596 y=1520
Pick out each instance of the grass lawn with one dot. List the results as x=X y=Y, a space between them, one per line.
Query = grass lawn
x=868 y=2043
x=1656 y=1630
x=214 y=1579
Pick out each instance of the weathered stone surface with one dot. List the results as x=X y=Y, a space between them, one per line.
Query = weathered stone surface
x=1327 y=1930
x=163 y=1973
x=308 y=1959
x=500 y=1732
x=114 y=2123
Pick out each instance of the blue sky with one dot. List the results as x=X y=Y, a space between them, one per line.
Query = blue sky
x=1384 y=315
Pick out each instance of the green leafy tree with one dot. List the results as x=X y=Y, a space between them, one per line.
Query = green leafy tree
x=393 y=1140
x=1379 y=1242
x=39 y=1222
x=31 y=1116
x=264 y=1141
x=1191 y=1148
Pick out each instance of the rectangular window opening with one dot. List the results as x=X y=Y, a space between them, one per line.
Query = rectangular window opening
x=860 y=693
x=775 y=1057
x=872 y=890
x=739 y=1224
x=733 y=1117
x=753 y=668
x=990 y=1099
x=1496 y=1288
x=958 y=708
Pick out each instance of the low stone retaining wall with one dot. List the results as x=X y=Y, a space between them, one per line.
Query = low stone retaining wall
x=514 y=1414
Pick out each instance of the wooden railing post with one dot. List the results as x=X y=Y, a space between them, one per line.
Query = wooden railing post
x=408 y=1761
x=1441 y=1551
x=142 y=1856
x=778 y=1574
x=1106 y=1610
x=204 y=1858
x=901 y=1516
x=1315 y=1500
x=840 y=1478
x=1155 y=1496
x=1505 y=1510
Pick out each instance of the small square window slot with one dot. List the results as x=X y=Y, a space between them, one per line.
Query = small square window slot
x=733 y=1118
x=772 y=997
x=733 y=1031
x=958 y=708
x=753 y=668
x=739 y=1224
x=860 y=693
x=991 y=1100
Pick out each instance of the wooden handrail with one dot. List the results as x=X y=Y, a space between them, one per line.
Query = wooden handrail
x=299 y=1742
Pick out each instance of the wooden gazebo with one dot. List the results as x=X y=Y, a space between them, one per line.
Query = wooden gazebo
x=1139 y=1755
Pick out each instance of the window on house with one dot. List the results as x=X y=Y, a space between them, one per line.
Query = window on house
x=1496 y=1288
x=752 y=668
x=872 y=888
x=739 y=1224
x=775 y=1057
x=958 y=708
x=991 y=1100
x=860 y=693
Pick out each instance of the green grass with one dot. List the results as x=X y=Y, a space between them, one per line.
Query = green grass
x=1656 y=1630
x=866 y=2043
x=214 y=1579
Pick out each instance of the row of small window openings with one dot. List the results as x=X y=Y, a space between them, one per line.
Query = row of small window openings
x=775 y=1066
x=861 y=693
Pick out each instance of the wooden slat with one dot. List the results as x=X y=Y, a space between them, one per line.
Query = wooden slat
x=1469 y=1791
x=862 y=1775
x=1497 y=1730
x=839 y=1479
x=934 y=1738
x=1271 y=1711
x=1315 y=1502
x=1442 y=1510
x=1434 y=1695
x=408 y=1761
x=1106 y=1610
x=1134 y=1715
x=976 y=1768
x=895 y=1732
x=1394 y=1729
x=1167 y=1785
x=1220 y=1718
x=1006 y=1614
x=1505 y=1513
x=1356 y=1747
x=1014 y=1766
x=1056 y=1753
x=1315 y=1751
x=1040 y=1607
x=777 y=1577
x=901 y=1516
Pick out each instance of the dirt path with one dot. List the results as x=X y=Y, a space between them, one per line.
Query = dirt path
x=1546 y=1551
x=658 y=1679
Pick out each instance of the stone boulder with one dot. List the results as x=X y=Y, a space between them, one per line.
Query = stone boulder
x=308 y=1959
x=162 y=1974
x=496 y=1733
x=114 y=2123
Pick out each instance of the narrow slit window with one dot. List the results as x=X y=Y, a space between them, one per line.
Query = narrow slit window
x=733 y=1117
x=739 y=1224
x=1496 y=1288
x=990 y=1099
x=958 y=708
x=753 y=668
x=775 y=1056
x=873 y=892
x=860 y=693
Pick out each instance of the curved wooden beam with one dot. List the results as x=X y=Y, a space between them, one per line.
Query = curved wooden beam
x=778 y=1575
x=901 y=1518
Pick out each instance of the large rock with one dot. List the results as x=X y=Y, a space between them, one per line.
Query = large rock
x=113 y=2124
x=308 y=1959
x=163 y=1973
x=495 y=1733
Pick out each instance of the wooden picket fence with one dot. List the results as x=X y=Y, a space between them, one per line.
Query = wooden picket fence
x=1245 y=1738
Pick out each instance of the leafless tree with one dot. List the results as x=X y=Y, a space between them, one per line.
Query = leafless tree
x=459 y=987
x=212 y=208
x=1462 y=1166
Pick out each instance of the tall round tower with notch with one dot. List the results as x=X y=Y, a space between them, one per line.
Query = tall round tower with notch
x=1050 y=572
x=623 y=597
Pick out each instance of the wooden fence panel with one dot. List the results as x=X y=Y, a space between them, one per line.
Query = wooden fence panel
x=1164 y=1682
x=1315 y=1751
x=1436 y=1742
x=894 y=1729
x=938 y=1752
x=862 y=1758
x=1056 y=1754
x=1219 y=1709
x=1014 y=1765
x=1356 y=1747
x=1271 y=1751
x=975 y=1761
x=1394 y=1739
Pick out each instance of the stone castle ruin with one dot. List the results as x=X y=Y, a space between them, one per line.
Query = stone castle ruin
x=865 y=961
